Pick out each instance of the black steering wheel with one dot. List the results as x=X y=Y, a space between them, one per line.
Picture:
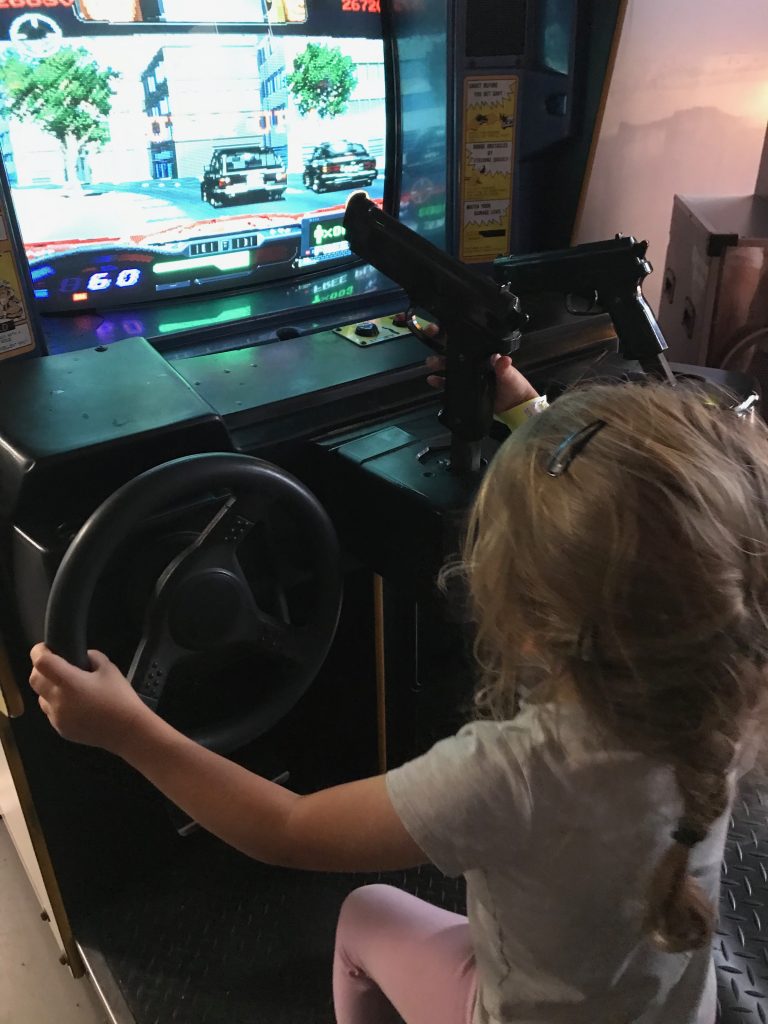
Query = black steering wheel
x=203 y=603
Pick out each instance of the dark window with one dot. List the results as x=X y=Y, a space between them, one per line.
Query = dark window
x=250 y=160
x=346 y=149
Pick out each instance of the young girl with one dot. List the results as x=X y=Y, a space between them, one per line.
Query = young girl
x=617 y=560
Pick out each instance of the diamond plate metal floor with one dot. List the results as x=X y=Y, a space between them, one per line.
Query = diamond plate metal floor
x=741 y=944
x=223 y=940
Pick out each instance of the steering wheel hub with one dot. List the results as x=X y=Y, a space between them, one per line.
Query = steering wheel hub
x=203 y=610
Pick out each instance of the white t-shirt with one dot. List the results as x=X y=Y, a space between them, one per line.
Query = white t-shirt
x=558 y=838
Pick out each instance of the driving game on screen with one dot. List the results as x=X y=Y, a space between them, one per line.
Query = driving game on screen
x=154 y=152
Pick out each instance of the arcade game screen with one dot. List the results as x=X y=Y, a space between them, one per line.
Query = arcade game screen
x=152 y=151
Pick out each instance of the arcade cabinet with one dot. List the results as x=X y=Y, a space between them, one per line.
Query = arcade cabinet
x=714 y=305
x=219 y=361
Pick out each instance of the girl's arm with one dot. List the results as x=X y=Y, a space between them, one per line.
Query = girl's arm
x=353 y=827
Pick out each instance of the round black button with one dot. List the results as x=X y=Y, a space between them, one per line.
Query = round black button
x=367 y=329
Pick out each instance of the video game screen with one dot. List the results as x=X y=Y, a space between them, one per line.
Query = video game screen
x=152 y=151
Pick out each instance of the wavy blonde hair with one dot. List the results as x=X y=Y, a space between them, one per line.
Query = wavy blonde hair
x=639 y=579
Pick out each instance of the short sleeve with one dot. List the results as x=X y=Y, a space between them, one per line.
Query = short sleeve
x=466 y=802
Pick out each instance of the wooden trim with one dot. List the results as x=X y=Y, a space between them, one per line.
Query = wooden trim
x=40 y=847
x=11 y=701
x=381 y=671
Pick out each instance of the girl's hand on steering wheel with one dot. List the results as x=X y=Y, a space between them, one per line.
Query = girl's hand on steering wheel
x=512 y=388
x=99 y=708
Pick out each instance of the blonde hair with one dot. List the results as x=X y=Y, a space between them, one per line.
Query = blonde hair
x=639 y=578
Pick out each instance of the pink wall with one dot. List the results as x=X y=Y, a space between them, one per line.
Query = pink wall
x=686 y=113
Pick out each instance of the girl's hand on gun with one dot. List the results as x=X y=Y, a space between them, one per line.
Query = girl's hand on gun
x=98 y=708
x=512 y=388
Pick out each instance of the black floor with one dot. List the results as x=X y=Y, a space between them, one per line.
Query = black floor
x=222 y=940
x=215 y=938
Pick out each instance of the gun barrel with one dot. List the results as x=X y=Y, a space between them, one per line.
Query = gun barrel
x=582 y=269
x=613 y=272
x=433 y=280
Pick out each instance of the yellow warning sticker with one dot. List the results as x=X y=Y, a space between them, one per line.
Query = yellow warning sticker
x=487 y=171
x=15 y=330
x=15 y=334
x=485 y=230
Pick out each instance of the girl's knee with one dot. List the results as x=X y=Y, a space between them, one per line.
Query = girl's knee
x=359 y=930
x=366 y=903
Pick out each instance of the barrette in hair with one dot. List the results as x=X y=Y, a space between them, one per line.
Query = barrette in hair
x=688 y=836
x=571 y=446
x=747 y=406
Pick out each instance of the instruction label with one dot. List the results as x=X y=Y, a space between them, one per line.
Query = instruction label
x=487 y=170
x=15 y=329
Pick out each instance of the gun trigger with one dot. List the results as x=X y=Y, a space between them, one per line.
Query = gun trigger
x=581 y=305
x=434 y=341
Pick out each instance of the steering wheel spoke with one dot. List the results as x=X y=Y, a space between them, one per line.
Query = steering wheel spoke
x=269 y=636
x=231 y=524
x=217 y=543
x=151 y=665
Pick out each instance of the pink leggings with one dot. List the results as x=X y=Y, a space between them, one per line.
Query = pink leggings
x=399 y=957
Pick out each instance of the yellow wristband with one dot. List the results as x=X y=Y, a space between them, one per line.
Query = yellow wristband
x=518 y=414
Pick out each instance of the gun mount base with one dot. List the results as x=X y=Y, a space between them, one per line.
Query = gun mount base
x=466 y=456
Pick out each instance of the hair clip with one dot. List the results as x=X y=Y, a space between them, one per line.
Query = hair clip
x=571 y=446
x=747 y=406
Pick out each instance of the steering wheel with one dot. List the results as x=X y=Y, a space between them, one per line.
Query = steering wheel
x=203 y=604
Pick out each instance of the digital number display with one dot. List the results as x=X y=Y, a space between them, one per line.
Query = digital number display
x=367 y=6
x=125 y=279
x=17 y=5
x=100 y=281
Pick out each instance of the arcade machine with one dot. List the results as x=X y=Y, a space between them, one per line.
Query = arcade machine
x=219 y=360
x=714 y=306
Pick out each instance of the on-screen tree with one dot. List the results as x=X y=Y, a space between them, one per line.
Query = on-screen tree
x=67 y=94
x=322 y=80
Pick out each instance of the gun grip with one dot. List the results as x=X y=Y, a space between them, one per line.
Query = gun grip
x=636 y=327
x=470 y=393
